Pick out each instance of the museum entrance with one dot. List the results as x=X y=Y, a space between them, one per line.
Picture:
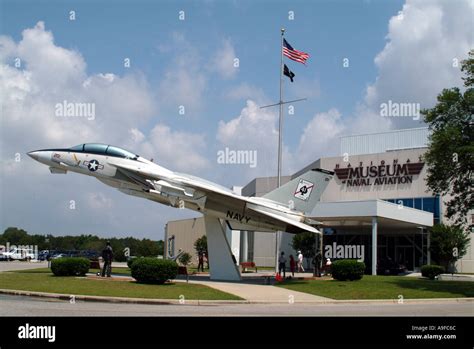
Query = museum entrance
x=396 y=252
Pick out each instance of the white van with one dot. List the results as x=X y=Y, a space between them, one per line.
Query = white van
x=24 y=254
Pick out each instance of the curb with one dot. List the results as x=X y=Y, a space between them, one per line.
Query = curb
x=404 y=301
x=125 y=300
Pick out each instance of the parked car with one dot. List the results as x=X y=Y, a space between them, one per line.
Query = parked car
x=43 y=255
x=19 y=254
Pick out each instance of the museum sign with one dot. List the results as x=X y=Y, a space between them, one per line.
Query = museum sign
x=383 y=173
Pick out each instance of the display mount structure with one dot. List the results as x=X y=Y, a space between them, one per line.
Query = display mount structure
x=221 y=263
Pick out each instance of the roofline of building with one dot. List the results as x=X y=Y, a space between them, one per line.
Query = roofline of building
x=383 y=132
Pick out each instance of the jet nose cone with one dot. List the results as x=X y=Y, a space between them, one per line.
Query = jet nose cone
x=34 y=155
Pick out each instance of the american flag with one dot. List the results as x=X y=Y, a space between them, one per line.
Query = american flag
x=293 y=54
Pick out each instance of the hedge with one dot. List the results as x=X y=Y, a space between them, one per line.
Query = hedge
x=153 y=270
x=130 y=261
x=70 y=266
x=431 y=270
x=347 y=269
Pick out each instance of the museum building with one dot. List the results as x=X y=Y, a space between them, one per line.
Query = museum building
x=377 y=208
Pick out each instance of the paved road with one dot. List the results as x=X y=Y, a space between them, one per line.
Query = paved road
x=17 y=265
x=29 y=306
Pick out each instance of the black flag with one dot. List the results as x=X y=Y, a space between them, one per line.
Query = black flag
x=288 y=72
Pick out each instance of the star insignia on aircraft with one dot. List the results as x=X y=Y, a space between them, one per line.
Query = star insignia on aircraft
x=93 y=165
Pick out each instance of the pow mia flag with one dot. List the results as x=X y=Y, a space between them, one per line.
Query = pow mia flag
x=288 y=72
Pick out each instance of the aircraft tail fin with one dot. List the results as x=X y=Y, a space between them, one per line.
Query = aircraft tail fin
x=303 y=192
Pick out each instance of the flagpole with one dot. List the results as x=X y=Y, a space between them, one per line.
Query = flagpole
x=280 y=122
x=280 y=126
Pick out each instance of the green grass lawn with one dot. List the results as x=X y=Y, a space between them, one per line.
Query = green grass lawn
x=383 y=287
x=42 y=280
x=115 y=271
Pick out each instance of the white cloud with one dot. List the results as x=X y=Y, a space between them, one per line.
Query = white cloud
x=417 y=60
x=137 y=135
x=7 y=48
x=99 y=201
x=253 y=129
x=49 y=75
x=304 y=87
x=320 y=137
x=184 y=82
x=252 y=123
x=415 y=64
x=256 y=129
x=176 y=150
x=52 y=67
x=245 y=91
x=223 y=62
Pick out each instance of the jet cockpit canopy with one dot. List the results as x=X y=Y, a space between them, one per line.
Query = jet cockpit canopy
x=104 y=149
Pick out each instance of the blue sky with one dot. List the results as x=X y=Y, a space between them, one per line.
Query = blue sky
x=104 y=32
x=398 y=50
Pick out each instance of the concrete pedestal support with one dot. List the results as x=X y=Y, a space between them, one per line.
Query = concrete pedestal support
x=374 y=245
x=428 y=247
x=221 y=265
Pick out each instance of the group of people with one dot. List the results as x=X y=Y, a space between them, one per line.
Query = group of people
x=298 y=263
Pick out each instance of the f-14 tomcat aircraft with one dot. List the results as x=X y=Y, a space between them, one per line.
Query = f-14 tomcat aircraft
x=283 y=209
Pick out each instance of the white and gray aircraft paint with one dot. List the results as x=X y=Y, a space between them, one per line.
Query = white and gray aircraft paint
x=283 y=209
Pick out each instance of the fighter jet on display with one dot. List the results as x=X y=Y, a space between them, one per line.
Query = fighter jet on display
x=283 y=209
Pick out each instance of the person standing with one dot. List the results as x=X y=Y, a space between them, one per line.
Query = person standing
x=201 y=261
x=317 y=264
x=206 y=259
x=300 y=262
x=292 y=265
x=282 y=264
x=107 y=256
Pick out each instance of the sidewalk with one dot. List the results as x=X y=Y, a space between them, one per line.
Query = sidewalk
x=252 y=288
x=262 y=293
x=456 y=277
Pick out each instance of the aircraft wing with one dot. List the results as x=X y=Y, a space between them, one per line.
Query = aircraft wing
x=292 y=226
x=214 y=194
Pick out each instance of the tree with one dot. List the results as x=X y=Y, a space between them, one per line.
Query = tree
x=144 y=247
x=450 y=156
x=185 y=258
x=304 y=242
x=200 y=245
x=15 y=236
x=161 y=247
x=448 y=244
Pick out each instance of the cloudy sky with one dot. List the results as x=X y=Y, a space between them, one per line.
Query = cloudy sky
x=218 y=62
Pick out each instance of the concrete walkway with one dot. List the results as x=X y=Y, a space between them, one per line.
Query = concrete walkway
x=252 y=289
x=262 y=293
x=456 y=277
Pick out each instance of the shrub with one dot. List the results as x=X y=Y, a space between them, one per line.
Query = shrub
x=185 y=258
x=70 y=266
x=130 y=261
x=431 y=270
x=153 y=270
x=347 y=269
